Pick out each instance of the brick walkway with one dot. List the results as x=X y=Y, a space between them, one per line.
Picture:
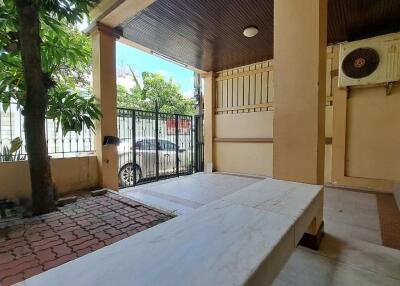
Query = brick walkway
x=33 y=245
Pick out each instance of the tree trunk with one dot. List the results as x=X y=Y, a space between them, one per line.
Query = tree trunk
x=35 y=107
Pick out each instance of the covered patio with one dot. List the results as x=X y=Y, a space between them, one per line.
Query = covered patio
x=351 y=252
x=273 y=104
x=281 y=127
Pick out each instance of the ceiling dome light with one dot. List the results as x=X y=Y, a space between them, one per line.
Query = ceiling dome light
x=250 y=31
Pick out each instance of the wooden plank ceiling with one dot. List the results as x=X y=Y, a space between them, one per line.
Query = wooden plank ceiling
x=208 y=34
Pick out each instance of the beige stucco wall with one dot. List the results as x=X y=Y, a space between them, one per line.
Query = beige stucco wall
x=373 y=134
x=244 y=125
x=69 y=174
x=244 y=158
x=254 y=158
x=368 y=124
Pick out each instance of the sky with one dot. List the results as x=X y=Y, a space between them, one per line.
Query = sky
x=141 y=61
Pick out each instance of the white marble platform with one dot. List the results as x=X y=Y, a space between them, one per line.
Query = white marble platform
x=243 y=238
x=185 y=194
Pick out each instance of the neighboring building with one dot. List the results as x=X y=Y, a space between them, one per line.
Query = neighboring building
x=124 y=77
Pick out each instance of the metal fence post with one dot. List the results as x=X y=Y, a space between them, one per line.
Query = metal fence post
x=134 y=146
x=157 y=145
x=196 y=151
x=191 y=144
x=177 y=144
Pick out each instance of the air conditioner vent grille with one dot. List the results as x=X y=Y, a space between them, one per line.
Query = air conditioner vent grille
x=360 y=63
x=393 y=61
x=370 y=62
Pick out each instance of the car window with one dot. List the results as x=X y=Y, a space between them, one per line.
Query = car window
x=167 y=145
x=146 y=144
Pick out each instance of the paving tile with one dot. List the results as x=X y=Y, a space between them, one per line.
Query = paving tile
x=34 y=245
x=81 y=232
x=58 y=241
x=59 y=261
x=97 y=246
x=6 y=258
x=102 y=235
x=32 y=271
x=22 y=251
x=85 y=244
x=34 y=238
x=68 y=236
x=113 y=231
x=15 y=263
x=18 y=269
x=115 y=239
x=11 y=247
x=13 y=279
x=84 y=251
x=61 y=250
x=80 y=240
x=16 y=232
x=45 y=255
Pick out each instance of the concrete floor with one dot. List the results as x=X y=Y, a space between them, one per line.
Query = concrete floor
x=351 y=252
x=342 y=262
x=352 y=215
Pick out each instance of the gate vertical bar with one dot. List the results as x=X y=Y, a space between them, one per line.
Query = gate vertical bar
x=201 y=130
x=198 y=143
x=177 y=144
x=195 y=143
x=134 y=146
x=191 y=145
x=157 y=145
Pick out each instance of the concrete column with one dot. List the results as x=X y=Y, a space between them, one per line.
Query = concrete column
x=209 y=99
x=300 y=32
x=105 y=91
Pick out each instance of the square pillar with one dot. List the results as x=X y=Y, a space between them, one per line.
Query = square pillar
x=209 y=99
x=300 y=40
x=105 y=91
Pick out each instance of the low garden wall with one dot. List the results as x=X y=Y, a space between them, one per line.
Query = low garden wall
x=69 y=174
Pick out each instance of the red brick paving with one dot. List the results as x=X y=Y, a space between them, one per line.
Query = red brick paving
x=33 y=245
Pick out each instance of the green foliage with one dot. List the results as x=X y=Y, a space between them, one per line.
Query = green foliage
x=156 y=88
x=65 y=54
x=71 y=11
x=72 y=111
x=12 y=153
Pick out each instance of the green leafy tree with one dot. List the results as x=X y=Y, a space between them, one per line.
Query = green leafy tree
x=43 y=62
x=156 y=88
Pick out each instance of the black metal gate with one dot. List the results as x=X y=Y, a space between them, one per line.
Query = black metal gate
x=198 y=144
x=153 y=146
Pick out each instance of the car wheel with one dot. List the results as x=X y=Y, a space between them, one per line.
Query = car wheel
x=126 y=175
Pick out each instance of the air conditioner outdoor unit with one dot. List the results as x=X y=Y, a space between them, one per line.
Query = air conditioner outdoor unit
x=370 y=62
